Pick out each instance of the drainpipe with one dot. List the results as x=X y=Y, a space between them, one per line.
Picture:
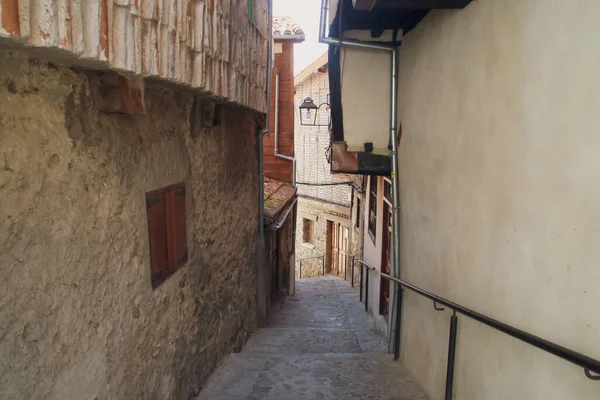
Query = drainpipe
x=393 y=128
x=261 y=287
x=276 y=127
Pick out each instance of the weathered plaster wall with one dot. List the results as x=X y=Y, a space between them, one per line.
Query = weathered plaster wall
x=499 y=191
x=78 y=316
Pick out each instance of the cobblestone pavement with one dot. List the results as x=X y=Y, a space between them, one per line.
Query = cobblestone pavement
x=319 y=345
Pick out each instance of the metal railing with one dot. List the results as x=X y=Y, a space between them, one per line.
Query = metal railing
x=353 y=258
x=589 y=365
x=312 y=258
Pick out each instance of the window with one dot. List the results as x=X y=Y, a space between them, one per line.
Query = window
x=357 y=223
x=166 y=231
x=372 y=207
x=387 y=190
x=307 y=231
x=251 y=10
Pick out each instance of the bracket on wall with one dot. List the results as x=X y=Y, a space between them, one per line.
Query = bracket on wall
x=206 y=113
x=114 y=93
x=435 y=306
x=589 y=374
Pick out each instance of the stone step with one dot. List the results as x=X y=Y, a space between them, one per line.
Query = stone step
x=314 y=376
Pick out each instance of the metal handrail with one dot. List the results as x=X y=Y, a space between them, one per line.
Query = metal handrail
x=308 y=258
x=589 y=365
x=311 y=258
x=574 y=357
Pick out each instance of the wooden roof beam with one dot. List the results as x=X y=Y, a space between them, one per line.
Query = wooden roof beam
x=363 y=5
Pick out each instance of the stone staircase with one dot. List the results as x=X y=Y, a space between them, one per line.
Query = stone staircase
x=319 y=345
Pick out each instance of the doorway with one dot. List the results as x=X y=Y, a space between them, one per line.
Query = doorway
x=386 y=262
x=337 y=247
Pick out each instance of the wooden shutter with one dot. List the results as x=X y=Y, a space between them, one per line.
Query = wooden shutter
x=157 y=235
x=176 y=227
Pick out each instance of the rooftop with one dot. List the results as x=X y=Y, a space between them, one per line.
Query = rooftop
x=286 y=28
x=279 y=197
x=319 y=65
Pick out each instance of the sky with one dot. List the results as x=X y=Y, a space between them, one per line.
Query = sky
x=306 y=14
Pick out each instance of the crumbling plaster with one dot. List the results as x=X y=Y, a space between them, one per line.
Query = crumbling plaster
x=78 y=316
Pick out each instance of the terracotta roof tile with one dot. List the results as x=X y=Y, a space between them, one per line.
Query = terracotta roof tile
x=277 y=196
x=208 y=45
x=285 y=26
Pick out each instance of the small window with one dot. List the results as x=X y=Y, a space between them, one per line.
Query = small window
x=166 y=231
x=251 y=10
x=373 y=207
x=387 y=190
x=307 y=231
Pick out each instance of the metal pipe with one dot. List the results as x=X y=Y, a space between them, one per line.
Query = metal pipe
x=276 y=128
x=451 y=354
x=393 y=128
x=396 y=313
x=269 y=67
x=323 y=265
x=300 y=269
x=261 y=304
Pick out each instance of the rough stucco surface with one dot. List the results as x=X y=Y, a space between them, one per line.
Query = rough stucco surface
x=499 y=192
x=78 y=316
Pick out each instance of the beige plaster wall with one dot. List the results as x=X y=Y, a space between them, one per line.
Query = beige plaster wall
x=365 y=83
x=500 y=199
x=78 y=316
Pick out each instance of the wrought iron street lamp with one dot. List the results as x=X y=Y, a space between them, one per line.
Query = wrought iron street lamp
x=309 y=113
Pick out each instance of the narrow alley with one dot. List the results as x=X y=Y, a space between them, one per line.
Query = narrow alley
x=318 y=345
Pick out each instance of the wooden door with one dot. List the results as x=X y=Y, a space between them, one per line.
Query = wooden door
x=329 y=250
x=386 y=259
x=343 y=246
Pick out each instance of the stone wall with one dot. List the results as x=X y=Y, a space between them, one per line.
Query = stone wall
x=319 y=212
x=78 y=316
x=355 y=245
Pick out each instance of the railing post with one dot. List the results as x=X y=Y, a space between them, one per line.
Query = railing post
x=398 y=320
x=300 y=269
x=367 y=290
x=352 y=271
x=360 y=282
x=345 y=269
x=451 y=354
x=323 y=258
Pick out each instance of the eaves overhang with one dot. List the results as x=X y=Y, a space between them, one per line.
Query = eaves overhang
x=395 y=18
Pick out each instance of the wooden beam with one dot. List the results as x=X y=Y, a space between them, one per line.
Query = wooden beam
x=421 y=4
x=363 y=5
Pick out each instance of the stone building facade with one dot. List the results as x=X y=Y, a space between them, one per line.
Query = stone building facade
x=326 y=230
x=129 y=195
